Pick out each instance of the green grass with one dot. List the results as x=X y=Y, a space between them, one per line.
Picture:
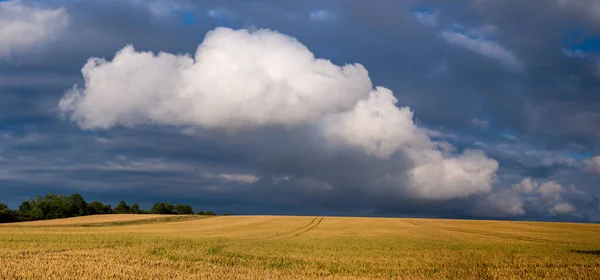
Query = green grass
x=258 y=247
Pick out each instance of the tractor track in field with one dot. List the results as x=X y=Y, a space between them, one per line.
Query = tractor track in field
x=501 y=235
x=414 y=223
x=308 y=229
x=293 y=231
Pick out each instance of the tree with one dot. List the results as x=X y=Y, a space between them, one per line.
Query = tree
x=78 y=206
x=36 y=214
x=135 y=209
x=97 y=207
x=207 y=213
x=165 y=208
x=169 y=208
x=158 y=208
x=26 y=206
x=122 y=208
x=183 y=209
x=6 y=214
x=53 y=206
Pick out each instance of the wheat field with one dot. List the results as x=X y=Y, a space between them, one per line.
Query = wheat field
x=280 y=247
x=92 y=220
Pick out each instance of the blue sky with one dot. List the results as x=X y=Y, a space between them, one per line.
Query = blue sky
x=475 y=109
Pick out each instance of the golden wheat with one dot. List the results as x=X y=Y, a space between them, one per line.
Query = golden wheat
x=276 y=247
x=89 y=220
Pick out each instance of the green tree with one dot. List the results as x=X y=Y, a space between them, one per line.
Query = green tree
x=169 y=208
x=163 y=208
x=78 y=206
x=135 y=209
x=183 y=209
x=97 y=207
x=122 y=208
x=26 y=206
x=6 y=214
x=158 y=208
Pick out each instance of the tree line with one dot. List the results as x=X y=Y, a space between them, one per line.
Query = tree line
x=52 y=206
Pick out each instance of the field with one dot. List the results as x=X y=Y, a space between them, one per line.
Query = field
x=279 y=247
x=104 y=220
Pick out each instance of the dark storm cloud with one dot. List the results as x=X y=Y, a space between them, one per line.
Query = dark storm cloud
x=549 y=108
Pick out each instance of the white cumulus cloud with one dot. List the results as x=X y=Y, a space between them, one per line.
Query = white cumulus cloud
x=26 y=26
x=544 y=196
x=236 y=79
x=376 y=125
x=438 y=176
x=381 y=129
x=250 y=79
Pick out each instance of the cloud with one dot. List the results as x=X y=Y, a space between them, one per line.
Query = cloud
x=381 y=129
x=550 y=190
x=574 y=53
x=222 y=13
x=376 y=125
x=251 y=80
x=563 y=208
x=23 y=27
x=237 y=79
x=593 y=165
x=586 y=9
x=439 y=177
x=525 y=186
x=486 y=48
x=504 y=203
x=162 y=8
x=548 y=197
x=546 y=194
x=426 y=17
x=240 y=178
x=276 y=179
x=321 y=15
x=482 y=31
x=480 y=123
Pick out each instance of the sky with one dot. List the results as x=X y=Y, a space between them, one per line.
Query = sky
x=482 y=109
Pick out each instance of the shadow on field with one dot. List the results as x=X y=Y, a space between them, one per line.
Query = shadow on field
x=588 y=252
